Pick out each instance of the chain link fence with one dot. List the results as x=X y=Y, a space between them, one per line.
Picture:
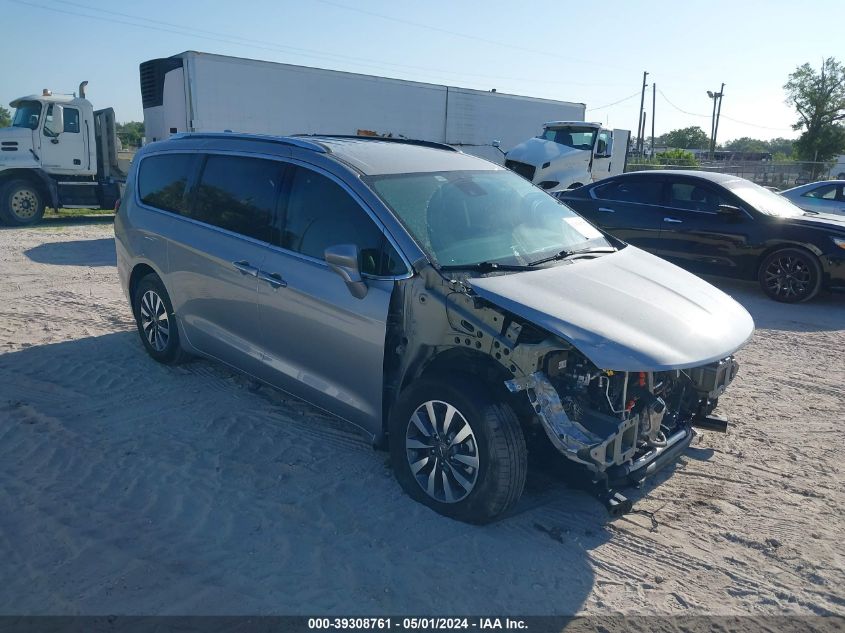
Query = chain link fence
x=780 y=175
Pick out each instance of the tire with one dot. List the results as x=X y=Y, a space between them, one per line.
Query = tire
x=156 y=322
x=483 y=431
x=21 y=203
x=790 y=275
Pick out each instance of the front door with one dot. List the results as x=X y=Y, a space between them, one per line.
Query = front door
x=64 y=151
x=699 y=236
x=321 y=343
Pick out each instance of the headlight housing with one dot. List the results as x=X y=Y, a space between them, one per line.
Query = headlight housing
x=839 y=241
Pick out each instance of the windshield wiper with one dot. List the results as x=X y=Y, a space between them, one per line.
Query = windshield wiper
x=486 y=267
x=566 y=254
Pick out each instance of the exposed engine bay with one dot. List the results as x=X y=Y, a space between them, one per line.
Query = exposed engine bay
x=603 y=418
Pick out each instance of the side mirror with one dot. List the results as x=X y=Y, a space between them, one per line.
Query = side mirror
x=496 y=143
x=729 y=209
x=343 y=259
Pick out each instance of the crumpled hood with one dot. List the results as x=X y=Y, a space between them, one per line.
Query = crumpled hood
x=627 y=311
x=538 y=152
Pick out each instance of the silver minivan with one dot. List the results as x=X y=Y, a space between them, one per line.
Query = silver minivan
x=446 y=306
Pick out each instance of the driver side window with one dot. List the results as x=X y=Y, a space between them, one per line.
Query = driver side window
x=319 y=213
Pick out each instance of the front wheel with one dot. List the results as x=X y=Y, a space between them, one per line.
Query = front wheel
x=457 y=450
x=790 y=275
x=21 y=203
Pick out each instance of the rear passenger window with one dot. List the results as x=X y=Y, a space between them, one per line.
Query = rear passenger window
x=631 y=190
x=694 y=197
x=163 y=180
x=320 y=214
x=238 y=194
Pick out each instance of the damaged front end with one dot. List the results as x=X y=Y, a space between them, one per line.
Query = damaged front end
x=621 y=425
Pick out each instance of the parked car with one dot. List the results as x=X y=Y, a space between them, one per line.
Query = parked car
x=443 y=304
x=718 y=224
x=827 y=196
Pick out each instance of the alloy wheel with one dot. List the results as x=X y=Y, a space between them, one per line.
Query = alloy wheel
x=788 y=276
x=442 y=451
x=154 y=320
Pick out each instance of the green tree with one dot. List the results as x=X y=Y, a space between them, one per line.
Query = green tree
x=747 y=144
x=677 y=157
x=781 y=146
x=686 y=138
x=819 y=99
x=5 y=117
x=131 y=133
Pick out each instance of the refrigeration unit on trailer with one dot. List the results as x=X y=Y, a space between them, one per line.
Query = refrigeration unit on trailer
x=201 y=92
x=58 y=152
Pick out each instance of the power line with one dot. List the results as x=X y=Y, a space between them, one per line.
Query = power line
x=724 y=116
x=629 y=97
x=168 y=27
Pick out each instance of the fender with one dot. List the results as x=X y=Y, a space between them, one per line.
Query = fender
x=38 y=174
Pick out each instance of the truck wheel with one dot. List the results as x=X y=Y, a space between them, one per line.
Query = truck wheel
x=21 y=203
x=156 y=322
x=457 y=450
x=790 y=275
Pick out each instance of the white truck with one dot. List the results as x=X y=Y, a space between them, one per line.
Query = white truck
x=58 y=152
x=569 y=154
x=201 y=92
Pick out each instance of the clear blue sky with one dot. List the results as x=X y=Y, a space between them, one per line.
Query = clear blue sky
x=575 y=51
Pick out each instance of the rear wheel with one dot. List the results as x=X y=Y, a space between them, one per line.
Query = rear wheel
x=790 y=275
x=21 y=203
x=156 y=321
x=457 y=450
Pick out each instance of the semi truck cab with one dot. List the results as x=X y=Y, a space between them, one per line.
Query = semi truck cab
x=58 y=152
x=569 y=154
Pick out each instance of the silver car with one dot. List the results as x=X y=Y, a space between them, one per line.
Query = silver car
x=446 y=306
x=827 y=196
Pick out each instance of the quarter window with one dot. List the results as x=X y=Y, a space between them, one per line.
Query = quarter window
x=630 y=190
x=320 y=214
x=163 y=181
x=238 y=194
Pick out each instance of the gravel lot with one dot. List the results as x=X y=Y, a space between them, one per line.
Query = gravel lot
x=131 y=488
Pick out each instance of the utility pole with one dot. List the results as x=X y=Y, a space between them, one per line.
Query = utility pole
x=718 y=113
x=640 y=129
x=653 y=102
x=642 y=140
x=714 y=124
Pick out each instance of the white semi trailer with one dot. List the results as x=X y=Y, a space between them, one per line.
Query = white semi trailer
x=201 y=92
x=58 y=152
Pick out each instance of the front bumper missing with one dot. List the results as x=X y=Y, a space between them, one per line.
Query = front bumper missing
x=634 y=473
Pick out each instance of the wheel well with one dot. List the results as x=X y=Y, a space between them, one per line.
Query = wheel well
x=27 y=175
x=139 y=272
x=459 y=360
x=781 y=247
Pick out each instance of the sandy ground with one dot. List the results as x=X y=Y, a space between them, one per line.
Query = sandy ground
x=131 y=488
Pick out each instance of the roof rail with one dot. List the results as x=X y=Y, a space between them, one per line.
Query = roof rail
x=388 y=139
x=267 y=138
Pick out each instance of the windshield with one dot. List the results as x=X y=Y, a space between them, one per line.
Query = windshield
x=576 y=137
x=464 y=218
x=763 y=200
x=27 y=115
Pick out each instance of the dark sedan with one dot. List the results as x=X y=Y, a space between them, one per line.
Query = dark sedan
x=718 y=224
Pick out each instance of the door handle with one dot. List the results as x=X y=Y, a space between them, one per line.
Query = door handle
x=274 y=279
x=245 y=268
x=606 y=210
x=673 y=220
